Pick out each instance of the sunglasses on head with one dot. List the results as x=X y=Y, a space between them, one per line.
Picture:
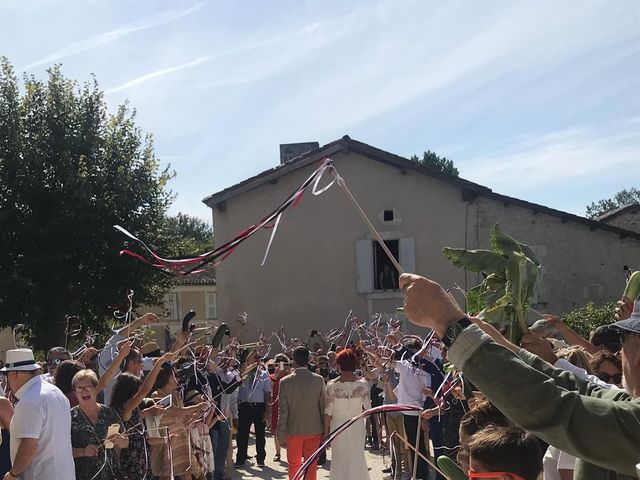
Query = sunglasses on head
x=473 y=475
x=614 y=379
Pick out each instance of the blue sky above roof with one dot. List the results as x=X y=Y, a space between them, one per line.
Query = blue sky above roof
x=537 y=100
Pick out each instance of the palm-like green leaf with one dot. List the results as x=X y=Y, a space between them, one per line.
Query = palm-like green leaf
x=477 y=261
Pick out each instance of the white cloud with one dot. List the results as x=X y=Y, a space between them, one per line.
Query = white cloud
x=107 y=37
x=159 y=73
x=556 y=157
x=238 y=69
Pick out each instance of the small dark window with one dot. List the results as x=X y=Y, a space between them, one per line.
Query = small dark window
x=385 y=274
x=388 y=216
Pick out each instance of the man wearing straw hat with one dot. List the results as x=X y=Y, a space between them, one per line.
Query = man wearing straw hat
x=41 y=426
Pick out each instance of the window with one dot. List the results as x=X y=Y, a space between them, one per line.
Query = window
x=385 y=274
x=387 y=216
x=171 y=305
x=371 y=261
x=212 y=305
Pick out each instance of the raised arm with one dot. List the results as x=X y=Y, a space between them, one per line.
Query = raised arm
x=108 y=376
x=146 y=386
x=146 y=319
x=570 y=336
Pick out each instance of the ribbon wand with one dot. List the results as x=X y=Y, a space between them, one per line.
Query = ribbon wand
x=340 y=181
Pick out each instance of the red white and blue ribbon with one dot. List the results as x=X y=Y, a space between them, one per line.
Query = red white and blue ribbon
x=302 y=471
x=196 y=264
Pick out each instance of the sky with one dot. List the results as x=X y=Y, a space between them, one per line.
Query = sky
x=538 y=100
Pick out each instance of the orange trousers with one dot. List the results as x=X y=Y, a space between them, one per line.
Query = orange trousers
x=299 y=447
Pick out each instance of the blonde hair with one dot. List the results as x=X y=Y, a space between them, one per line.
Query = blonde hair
x=578 y=356
x=83 y=375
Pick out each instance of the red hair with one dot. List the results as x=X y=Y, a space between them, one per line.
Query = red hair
x=347 y=360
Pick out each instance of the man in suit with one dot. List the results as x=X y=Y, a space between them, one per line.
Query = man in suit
x=301 y=411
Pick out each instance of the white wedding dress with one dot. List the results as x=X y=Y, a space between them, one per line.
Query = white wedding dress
x=345 y=400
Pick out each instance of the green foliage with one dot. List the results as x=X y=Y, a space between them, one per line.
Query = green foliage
x=606 y=205
x=433 y=160
x=69 y=171
x=585 y=319
x=190 y=235
x=510 y=271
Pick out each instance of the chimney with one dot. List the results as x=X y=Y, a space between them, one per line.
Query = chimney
x=289 y=151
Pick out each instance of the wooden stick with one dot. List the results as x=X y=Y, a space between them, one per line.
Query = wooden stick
x=406 y=442
x=416 y=449
x=372 y=229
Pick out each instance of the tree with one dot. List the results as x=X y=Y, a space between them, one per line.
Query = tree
x=433 y=160
x=586 y=319
x=191 y=235
x=69 y=171
x=606 y=205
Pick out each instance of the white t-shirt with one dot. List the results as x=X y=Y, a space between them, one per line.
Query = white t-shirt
x=412 y=381
x=43 y=412
x=555 y=460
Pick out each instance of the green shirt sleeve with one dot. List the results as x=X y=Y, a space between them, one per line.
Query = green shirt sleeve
x=599 y=430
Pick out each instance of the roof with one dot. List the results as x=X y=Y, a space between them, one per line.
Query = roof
x=470 y=190
x=632 y=207
x=204 y=278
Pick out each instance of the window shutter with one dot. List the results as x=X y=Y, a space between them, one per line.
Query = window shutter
x=212 y=305
x=171 y=304
x=407 y=254
x=364 y=266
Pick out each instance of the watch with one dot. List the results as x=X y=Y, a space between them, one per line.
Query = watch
x=455 y=329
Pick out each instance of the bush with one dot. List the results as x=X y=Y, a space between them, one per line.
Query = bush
x=584 y=320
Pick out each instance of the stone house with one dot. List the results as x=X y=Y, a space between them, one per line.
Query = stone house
x=324 y=263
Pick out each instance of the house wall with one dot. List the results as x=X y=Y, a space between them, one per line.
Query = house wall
x=629 y=220
x=190 y=297
x=579 y=264
x=310 y=279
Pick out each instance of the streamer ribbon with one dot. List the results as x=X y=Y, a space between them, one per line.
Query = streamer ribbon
x=185 y=266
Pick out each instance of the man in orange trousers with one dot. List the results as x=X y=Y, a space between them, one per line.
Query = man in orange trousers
x=300 y=413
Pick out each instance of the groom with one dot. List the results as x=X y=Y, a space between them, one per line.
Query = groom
x=300 y=413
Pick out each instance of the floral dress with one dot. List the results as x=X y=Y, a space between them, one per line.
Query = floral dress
x=135 y=460
x=84 y=433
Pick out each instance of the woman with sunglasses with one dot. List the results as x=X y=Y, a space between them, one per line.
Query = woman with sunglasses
x=93 y=445
x=607 y=367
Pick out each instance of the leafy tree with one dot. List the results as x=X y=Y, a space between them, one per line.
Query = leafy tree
x=606 y=205
x=69 y=171
x=191 y=235
x=585 y=319
x=433 y=160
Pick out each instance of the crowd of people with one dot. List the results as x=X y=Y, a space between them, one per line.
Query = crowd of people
x=556 y=407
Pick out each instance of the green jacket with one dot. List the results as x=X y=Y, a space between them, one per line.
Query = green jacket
x=600 y=427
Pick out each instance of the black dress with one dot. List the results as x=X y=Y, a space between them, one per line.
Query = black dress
x=5 y=454
x=135 y=460
x=84 y=433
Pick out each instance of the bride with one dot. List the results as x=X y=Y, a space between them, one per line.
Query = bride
x=347 y=395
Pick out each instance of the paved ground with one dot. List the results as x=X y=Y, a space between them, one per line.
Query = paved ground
x=375 y=461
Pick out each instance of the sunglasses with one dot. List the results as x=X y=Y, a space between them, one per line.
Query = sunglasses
x=54 y=362
x=473 y=475
x=614 y=379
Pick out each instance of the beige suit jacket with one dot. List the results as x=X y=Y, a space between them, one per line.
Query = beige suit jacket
x=301 y=404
